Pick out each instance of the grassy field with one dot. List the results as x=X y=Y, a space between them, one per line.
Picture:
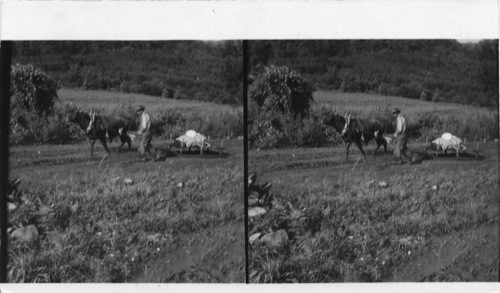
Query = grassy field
x=372 y=220
x=437 y=221
x=179 y=220
x=106 y=101
x=359 y=102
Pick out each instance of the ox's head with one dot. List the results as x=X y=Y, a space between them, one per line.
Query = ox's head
x=347 y=123
x=335 y=120
x=90 y=128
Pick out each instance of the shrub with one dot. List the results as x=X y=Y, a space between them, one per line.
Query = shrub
x=179 y=93
x=266 y=131
x=29 y=128
x=437 y=96
x=167 y=93
x=424 y=96
x=283 y=90
x=125 y=86
x=175 y=122
x=32 y=90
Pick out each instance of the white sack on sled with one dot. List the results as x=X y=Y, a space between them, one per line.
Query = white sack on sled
x=447 y=140
x=193 y=138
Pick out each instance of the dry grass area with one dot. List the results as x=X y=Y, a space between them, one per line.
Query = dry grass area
x=434 y=221
x=358 y=102
x=109 y=100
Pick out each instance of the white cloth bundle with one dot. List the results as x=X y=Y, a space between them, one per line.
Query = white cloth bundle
x=193 y=138
x=447 y=140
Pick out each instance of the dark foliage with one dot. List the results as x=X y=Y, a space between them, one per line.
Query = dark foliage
x=436 y=70
x=32 y=90
x=283 y=90
x=208 y=71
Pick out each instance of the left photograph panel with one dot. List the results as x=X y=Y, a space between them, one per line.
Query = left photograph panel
x=126 y=162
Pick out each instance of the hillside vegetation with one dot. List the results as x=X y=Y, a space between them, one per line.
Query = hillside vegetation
x=270 y=127
x=203 y=71
x=430 y=70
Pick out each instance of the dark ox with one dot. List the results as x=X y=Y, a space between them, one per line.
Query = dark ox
x=101 y=128
x=357 y=131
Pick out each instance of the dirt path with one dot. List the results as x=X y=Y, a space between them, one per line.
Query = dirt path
x=175 y=263
x=215 y=253
x=287 y=166
x=470 y=254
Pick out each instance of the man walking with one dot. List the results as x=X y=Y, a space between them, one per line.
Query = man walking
x=400 y=136
x=145 y=134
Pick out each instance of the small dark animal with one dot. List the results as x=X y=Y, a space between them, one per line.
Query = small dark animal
x=261 y=189
x=83 y=120
x=357 y=131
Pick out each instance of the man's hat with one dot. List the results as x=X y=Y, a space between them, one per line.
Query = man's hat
x=140 y=108
x=396 y=111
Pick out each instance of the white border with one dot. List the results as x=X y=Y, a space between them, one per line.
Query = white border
x=252 y=288
x=260 y=19
x=207 y=20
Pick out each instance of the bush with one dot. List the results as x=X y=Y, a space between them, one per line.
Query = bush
x=125 y=87
x=29 y=128
x=283 y=90
x=176 y=122
x=179 y=93
x=32 y=90
x=167 y=93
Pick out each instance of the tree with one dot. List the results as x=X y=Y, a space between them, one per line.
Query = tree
x=32 y=89
x=283 y=90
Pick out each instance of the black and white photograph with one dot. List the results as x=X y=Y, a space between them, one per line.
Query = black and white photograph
x=126 y=162
x=373 y=161
x=185 y=146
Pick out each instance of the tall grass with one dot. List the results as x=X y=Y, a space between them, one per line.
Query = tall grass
x=358 y=232
x=424 y=120
x=96 y=229
x=169 y=118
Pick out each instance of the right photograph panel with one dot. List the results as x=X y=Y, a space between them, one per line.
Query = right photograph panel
x=373 y=161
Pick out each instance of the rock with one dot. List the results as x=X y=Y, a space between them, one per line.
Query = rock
x=44 y=210
x=25 y=234
x=75 y=208
x=382 y=184
x=254 y=237
x=434 y=187
x=276 y=239
x=256 y=211
x=128 y=181
x=11 y=206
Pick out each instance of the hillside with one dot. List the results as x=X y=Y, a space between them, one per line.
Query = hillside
x=203 y=71
x=430 y=70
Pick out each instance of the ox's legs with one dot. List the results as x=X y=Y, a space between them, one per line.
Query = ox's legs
x=360 y=147
x=380 y=142
x=125 y=139
x=347 y=146
x=129 y=142
x=103 y=141
x=92 y=142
